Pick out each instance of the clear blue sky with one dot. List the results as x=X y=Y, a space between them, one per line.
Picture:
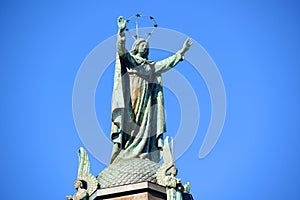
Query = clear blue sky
x=255 y=45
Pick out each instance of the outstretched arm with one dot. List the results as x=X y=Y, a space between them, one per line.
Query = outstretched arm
x=121 y=36
x=172 y=61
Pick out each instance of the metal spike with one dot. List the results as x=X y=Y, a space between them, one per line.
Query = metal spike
x=137 y=26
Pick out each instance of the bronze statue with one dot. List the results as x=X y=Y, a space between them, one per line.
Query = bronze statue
x=138 y=118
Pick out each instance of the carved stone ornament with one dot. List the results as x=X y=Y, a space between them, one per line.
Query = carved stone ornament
x=166 y=175
x=86 y=183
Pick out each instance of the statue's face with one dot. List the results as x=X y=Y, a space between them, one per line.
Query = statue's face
x=174 y=171
x=77 y=184
x=143 y=47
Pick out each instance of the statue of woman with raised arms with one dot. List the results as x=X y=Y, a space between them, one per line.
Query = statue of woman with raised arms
x=138 y=118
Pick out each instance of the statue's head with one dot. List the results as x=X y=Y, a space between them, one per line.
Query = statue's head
x=174 y=171
x=78 y=184
x=140 y=46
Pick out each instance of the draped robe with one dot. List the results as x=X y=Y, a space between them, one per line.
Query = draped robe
x=138 y=118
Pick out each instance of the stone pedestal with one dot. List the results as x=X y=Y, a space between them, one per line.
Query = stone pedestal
x=137 y=191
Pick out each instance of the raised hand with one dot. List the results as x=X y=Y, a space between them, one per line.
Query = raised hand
x=186 y=46
x=121 y=23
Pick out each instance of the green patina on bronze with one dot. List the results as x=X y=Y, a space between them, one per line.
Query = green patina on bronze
x=138 y=118
x=129 y=171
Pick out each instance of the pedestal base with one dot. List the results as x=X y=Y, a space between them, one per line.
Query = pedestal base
x=137 y=191
x=140 y=191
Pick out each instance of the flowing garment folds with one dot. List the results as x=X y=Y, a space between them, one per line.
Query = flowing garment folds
x=138 y=118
